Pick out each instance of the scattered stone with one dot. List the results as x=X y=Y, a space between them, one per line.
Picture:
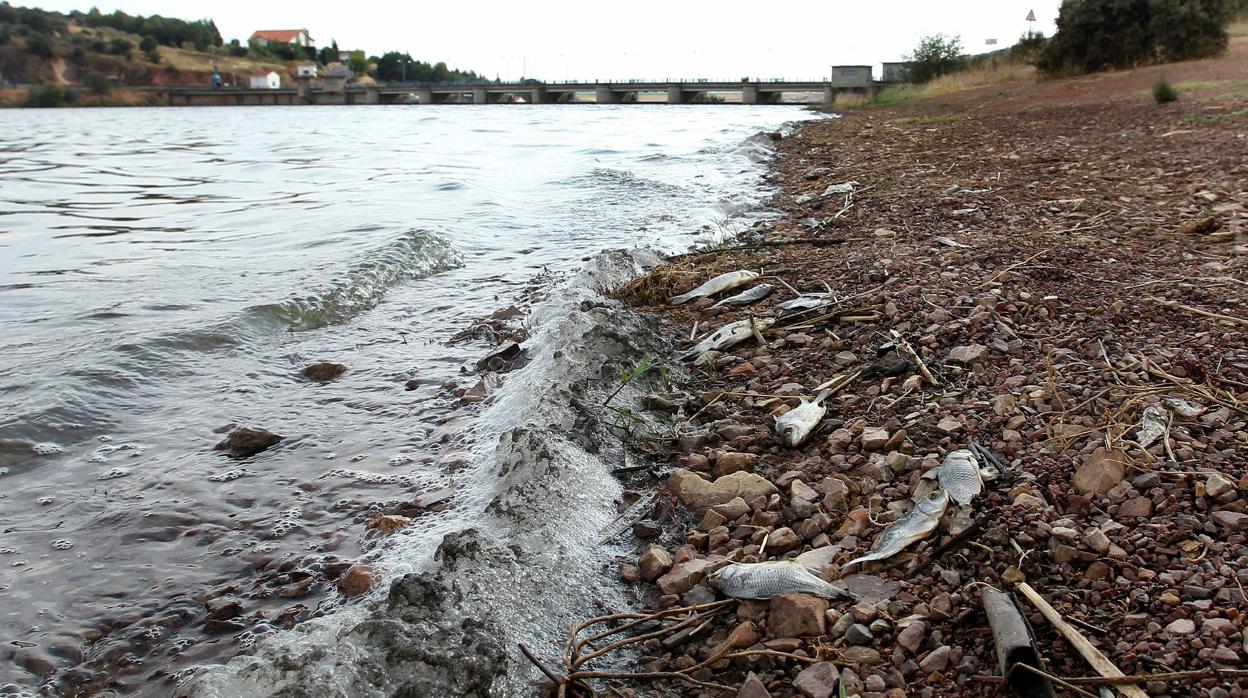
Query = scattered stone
x=858 y=634
x=937 y=660
x=683 y=576
x=357 y=580
x=654 y=562
x=874 y=438
x=734 y=462
x=752 y=687
x=1216 y=485
x=1135 y=507
x=783 y=540
x=911 y=637
x=969 y=354
x=1232 y=520
x=698 y=493
x=1100 y=471
x=818 y=680
x=797 y=615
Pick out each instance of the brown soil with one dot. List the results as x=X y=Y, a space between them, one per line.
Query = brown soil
x=1103 y=271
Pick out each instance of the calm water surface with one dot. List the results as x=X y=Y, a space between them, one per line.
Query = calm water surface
x=166 y=274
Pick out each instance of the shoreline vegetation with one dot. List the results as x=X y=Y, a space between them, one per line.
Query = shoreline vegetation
x=1037 y=268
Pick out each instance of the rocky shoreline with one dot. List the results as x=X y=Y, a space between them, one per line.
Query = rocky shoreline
x=1032 y=276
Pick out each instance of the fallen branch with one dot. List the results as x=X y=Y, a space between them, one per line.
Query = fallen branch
x=1086 y=649
x=1199 y=311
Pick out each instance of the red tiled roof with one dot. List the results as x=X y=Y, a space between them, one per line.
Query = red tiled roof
x=284 y=36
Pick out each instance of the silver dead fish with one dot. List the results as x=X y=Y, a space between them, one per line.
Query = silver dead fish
x=949 y=242
x=763 y=580
x=728 y=335
x=806 y=301
x=749 y=295
x=721 y=283
x=917 y=524
x=959 y=475
x=1154 y=424
x=796 y=424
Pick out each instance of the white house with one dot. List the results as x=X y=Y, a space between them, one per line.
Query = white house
x=266 y=81
x=306 y=70
x=298 y=37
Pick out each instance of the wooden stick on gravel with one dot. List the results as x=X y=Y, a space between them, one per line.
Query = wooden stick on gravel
x=1198 y=311
x=1086 y=649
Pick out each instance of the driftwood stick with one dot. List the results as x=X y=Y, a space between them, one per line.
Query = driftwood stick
x=913 y=356
x=1195 y=674
x=1199 y=311
x=1086 y=649
x=976 y=526
x=1045 y=675
x=538 y=663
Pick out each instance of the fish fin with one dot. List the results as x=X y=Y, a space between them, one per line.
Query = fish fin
x=869 y=557
x=814 y=560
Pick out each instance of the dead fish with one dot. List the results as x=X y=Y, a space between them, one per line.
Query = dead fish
x=949 y=242
x=750 y=295
x=917 y=524
x=728 y=335
x=796 y=424
x=806 y=301
x=842 y=188
x=721 y=283
x=1153 y=424
x=1183 y=408
x=959 y=475
x=763 y=580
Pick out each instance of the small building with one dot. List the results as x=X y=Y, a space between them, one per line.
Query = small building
x=897 y=71
x=266 y=80
x=306 y=70
x=851 y=75
x=335 y=77
x=296 y=37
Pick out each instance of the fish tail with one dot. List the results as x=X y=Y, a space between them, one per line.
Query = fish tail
x=823 y=395
x=682 y=298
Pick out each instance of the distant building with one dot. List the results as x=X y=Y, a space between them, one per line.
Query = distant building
x=345 y=56
x=306 y=70
x=297 y=37
x=266 y=80
x=335 y=77
x=851 y=75
x=898 y=71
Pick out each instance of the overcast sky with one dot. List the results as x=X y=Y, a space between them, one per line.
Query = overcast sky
x=562 y=39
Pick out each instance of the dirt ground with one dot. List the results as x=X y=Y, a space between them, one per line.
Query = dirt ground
x=1061 y=257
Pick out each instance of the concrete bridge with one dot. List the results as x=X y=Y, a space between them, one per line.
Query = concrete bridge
x=624 y=92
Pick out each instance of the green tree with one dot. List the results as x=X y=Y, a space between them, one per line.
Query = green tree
x=329 y=54
x=121 y=47
x=39 y=44
x=936 y=55
x=49 y=96
x=148 y=45
x=358 y=63
x=1113 y=34
x=97 y=82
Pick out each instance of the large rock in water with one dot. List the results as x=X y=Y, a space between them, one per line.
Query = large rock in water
x=697 y=493
x=324 y=371
x=245 y=441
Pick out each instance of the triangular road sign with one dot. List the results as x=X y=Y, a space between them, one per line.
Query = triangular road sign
x=1031 y=15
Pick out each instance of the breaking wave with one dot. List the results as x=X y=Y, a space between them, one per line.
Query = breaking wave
x=416 y=254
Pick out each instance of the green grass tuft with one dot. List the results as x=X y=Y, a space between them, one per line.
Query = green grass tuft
x=1164 y=92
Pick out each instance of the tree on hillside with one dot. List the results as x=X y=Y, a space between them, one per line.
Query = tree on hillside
x=1113 y=34
x=329 y=54
x=936 y=55
x=148 y=46
x=39 y=44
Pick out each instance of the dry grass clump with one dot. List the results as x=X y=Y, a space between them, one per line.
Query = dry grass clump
x=680 y=275
x=986 y=73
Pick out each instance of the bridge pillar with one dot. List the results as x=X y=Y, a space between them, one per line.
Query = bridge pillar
x=537 y=95
x=676 y=95
x=605 y=95
x=750 y=94
x=480 y=96
x=424 y=95
x=304 y=89
x=829 y=95
x=372 y=96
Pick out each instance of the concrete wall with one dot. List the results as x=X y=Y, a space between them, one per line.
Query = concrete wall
x=851 y=75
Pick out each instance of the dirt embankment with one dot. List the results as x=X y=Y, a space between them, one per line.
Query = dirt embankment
x=1062 y=257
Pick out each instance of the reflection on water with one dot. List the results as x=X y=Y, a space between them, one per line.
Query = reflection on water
x=166 y=274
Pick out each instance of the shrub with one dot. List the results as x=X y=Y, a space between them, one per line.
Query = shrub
x=1110 y=34
x=97 y=82
x=1164 y=92
x=99 y=46
x=39 y=44
x=47 y=96
x=935 y=55
x=121 y=47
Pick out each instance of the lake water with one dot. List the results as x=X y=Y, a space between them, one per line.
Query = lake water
x=165 y=274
